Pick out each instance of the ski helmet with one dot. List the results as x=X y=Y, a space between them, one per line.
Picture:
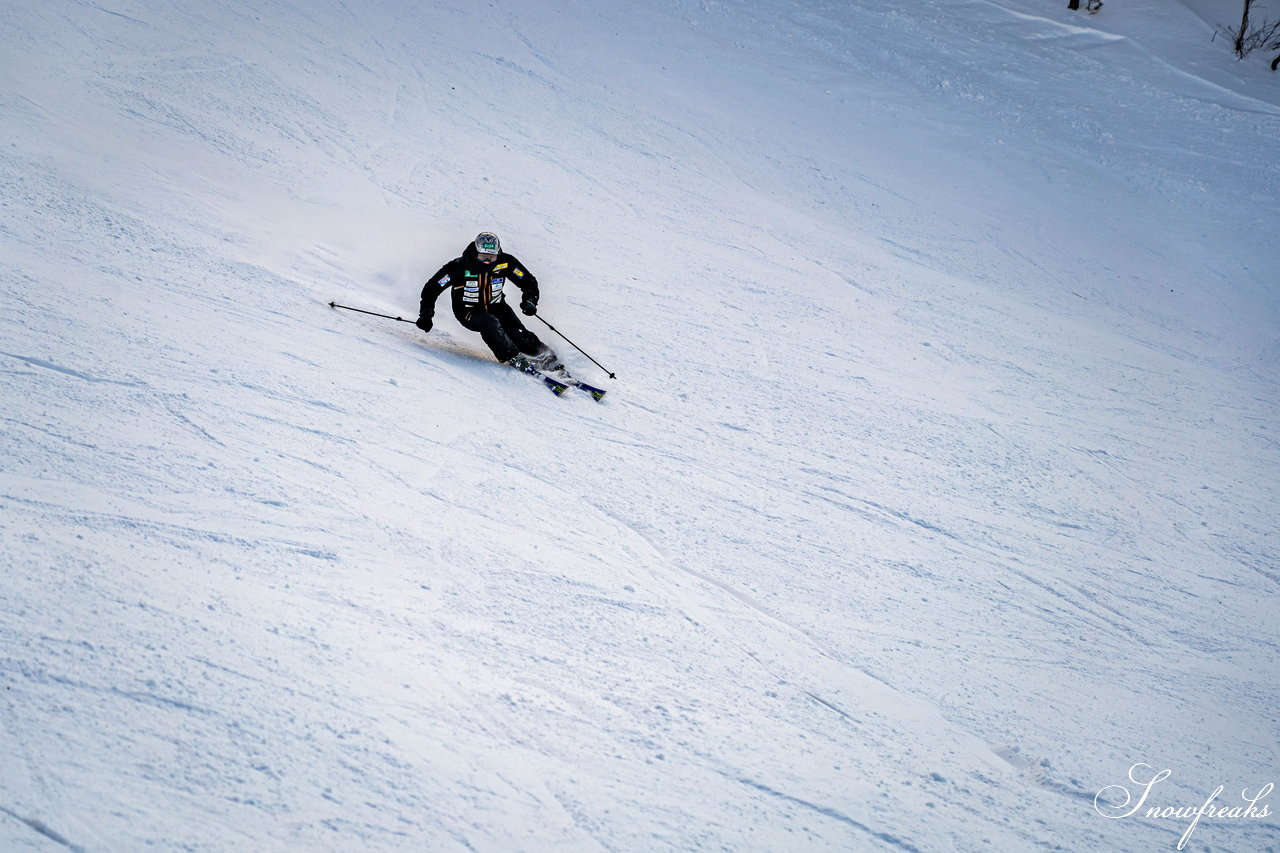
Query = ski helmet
x=487 y=243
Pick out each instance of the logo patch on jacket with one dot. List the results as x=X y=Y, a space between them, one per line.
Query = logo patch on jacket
x=500 y=267
x=518 y=273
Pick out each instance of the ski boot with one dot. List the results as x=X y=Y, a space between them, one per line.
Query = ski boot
x=521 y=363
x=546 y=360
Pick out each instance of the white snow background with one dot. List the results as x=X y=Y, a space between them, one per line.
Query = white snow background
x=937 y=487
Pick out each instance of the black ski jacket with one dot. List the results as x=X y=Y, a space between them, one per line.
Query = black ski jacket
x=476 y=286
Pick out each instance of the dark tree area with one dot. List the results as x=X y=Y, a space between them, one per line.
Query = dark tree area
x=1244 y=28
x=1249 y=36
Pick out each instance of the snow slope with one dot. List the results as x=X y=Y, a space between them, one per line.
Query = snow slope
x=937 y=488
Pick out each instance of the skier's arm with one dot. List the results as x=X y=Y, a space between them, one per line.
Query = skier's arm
x=527 y=283
x=430 y=293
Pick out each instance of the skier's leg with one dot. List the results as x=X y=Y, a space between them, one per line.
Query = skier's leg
x=526 y=340
x=539 y=353
x=491 y=328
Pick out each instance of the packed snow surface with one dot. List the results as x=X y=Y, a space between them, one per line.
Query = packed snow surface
x=933 y=507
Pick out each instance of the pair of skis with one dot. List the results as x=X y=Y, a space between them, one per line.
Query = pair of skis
x=560 y=381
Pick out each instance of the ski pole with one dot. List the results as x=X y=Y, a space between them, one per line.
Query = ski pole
x=575 y=346
x=373 y=313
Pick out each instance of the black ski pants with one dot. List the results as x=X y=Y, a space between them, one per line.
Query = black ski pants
x=501 y=330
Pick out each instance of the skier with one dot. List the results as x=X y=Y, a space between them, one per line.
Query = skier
x=477 y=279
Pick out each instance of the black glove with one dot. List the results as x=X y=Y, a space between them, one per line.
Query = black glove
x=529 y=306
x=424 y=323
